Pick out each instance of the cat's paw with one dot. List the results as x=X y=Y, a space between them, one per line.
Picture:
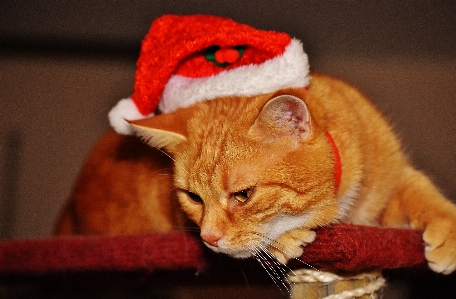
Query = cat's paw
x=291 y=244
x=440 y=245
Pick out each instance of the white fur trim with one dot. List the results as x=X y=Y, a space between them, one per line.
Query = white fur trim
x=291 y=69
x=124 y=110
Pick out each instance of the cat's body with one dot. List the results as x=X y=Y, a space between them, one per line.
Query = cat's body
x=124 y=187
x=256 y=181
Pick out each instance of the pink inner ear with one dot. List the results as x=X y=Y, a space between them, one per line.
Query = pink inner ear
x=283 y=116
x=297 y=120
x=289 y=115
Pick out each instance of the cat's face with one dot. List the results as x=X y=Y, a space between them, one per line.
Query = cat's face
x=247 y=170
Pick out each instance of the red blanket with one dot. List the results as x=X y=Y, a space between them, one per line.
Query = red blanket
x=344 y=247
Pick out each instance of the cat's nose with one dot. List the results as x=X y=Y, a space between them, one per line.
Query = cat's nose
x=211 y=239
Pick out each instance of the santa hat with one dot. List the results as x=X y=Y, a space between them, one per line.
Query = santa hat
x=189 y=59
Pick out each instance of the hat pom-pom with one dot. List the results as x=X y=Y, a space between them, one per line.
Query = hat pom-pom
x=124 y=110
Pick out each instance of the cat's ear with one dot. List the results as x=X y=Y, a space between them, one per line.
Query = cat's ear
x=283 y=116
x=163 y=131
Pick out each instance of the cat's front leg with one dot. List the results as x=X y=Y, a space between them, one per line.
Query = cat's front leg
x=440 y=245
x=419 y=203
x=437 y=216
x=291 y=244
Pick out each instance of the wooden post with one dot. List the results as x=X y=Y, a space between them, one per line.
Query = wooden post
x=314 y=284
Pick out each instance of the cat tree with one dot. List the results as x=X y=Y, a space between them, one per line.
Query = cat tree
x=198 y=58
x=340 y=248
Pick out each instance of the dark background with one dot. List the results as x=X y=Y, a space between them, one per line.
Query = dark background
x=64 y=64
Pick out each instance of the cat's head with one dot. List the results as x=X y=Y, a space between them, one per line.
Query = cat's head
x=247 y=169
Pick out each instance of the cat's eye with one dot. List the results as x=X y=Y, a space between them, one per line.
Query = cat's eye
x=194 y=197
x=243 y=195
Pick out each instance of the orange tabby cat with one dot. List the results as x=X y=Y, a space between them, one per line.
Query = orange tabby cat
x=261 y=173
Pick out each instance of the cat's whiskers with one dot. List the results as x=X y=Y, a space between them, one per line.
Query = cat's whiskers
x=301 y=261
x=172 y=159
x=292 y=257
x=289 y=272
x=271 y=242
x=278 y=271
x=265 y=262
x=165 y=153
x=164 y=174
x=246 y=280
x=272 y=265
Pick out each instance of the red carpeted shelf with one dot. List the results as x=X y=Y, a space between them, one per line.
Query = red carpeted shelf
x=344 y=247
x=357 y=248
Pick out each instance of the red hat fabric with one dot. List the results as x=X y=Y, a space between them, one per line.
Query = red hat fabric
x=188 y=59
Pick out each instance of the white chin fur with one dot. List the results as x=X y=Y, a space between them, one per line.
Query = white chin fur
x=226 y=248
x=273 y=229
x=282 y=224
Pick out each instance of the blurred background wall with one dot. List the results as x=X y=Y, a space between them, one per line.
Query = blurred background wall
x=64 y=64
